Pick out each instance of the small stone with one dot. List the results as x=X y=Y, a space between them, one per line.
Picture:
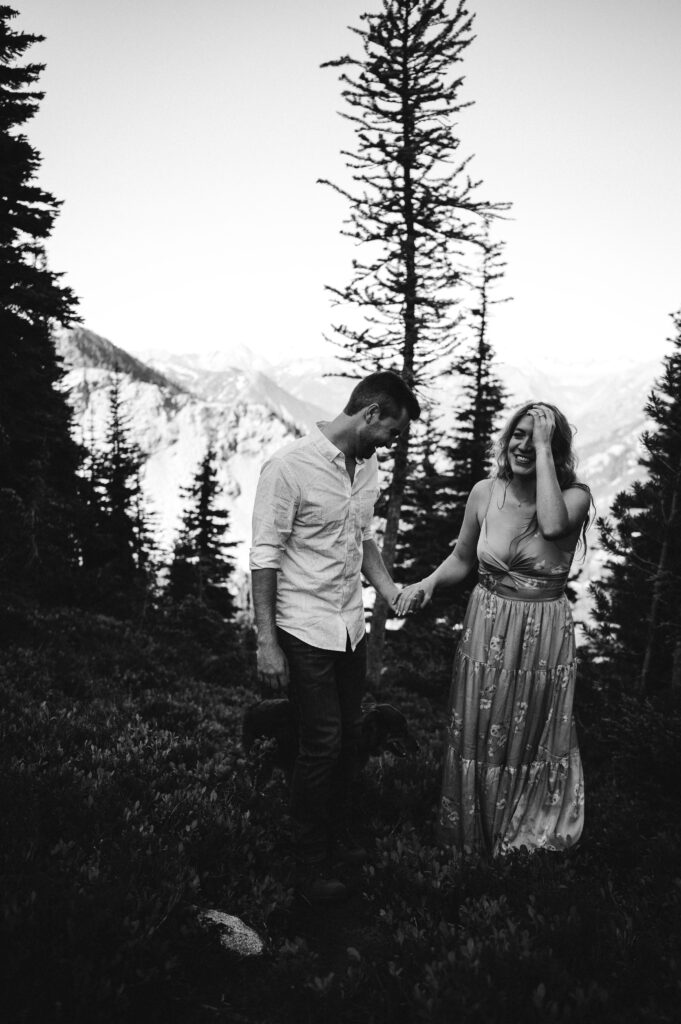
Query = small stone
x=235 y=936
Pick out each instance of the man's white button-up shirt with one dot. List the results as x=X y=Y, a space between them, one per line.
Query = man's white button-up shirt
x=309 y=522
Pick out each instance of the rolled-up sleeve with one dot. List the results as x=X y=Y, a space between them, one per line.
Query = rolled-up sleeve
x=274 y=510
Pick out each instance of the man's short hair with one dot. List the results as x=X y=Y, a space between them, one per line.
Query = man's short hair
x=388 y=391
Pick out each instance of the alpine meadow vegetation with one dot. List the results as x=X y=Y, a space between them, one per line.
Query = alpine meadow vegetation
x=127 y=802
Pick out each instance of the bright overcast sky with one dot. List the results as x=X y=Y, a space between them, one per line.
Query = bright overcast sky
x=186 y=139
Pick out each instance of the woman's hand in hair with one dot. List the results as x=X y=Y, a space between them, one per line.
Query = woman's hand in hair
x=544 y=424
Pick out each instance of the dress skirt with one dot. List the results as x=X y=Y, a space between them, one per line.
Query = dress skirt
x=512 y=771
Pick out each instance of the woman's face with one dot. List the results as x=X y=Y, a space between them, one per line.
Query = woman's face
x=521 y=457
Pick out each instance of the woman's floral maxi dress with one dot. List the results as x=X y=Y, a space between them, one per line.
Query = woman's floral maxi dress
x=512 y=770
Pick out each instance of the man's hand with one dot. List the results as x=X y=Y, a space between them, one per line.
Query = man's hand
x=272 y=669
x=413 y=598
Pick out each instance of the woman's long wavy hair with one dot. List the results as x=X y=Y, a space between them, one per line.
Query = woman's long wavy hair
x=564 y=457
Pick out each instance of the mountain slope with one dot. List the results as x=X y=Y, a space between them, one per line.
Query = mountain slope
x=173 y=419
x=247 y=408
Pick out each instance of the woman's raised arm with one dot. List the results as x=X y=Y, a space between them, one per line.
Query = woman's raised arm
x=559 y=513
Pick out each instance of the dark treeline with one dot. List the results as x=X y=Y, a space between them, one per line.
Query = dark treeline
x=125 y=798
x=76 y=526
x=637 y=602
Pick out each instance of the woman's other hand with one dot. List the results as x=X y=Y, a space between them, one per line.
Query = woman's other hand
x=544 y=423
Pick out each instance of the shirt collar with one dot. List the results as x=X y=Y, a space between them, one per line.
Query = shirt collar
x=327 y=448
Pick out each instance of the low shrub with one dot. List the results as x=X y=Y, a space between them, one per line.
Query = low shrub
x=127 y=802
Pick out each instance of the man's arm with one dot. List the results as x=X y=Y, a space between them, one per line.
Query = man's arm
x=375 y=571
x=273 y=514
x=271 y=661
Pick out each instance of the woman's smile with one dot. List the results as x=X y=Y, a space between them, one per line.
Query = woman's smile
x=524 y=459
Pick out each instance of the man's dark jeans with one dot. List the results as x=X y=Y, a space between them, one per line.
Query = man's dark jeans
x=326 y=690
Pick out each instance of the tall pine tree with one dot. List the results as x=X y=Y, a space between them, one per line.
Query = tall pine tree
x=38 y=458
x=118 y=550
x=414 y=210
x=201 y=563
x=637 y=606
x=483 y=393
x=450 y=461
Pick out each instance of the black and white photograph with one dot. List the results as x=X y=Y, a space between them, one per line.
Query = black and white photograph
x=340 y=505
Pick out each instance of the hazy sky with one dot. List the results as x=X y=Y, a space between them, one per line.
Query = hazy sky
x=186 y=139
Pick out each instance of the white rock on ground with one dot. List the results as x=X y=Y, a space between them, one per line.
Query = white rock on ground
x=234 y=934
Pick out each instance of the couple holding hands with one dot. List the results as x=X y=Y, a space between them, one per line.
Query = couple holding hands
x=512 y=774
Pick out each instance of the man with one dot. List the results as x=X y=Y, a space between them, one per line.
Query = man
x=311 y=540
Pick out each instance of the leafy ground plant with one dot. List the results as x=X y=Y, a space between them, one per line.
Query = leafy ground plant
x=127 y=803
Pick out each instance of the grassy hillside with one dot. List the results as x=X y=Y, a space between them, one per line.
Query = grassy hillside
x=126 y=802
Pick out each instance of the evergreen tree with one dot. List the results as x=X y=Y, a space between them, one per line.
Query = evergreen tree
x=428 y=530
x=484 y=396
x=427 y=493
x=122 y=504
x=415 y=211
x=449 y=464
x=118 y=551
x=38 y=458
x=201 y=563
x=637 y=606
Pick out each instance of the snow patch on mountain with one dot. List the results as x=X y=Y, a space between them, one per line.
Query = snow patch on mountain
x=244 y=415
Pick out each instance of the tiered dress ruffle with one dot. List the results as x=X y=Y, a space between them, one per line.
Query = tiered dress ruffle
x=512 y=769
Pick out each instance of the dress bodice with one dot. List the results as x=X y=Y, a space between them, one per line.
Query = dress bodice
x=531 y=567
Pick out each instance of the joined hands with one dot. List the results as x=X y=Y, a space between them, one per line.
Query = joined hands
x=412 y=598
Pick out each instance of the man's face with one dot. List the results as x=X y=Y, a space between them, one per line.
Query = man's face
x=380 y=431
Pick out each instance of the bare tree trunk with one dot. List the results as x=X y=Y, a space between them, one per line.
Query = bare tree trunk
x=392 y=524
x=401 y=467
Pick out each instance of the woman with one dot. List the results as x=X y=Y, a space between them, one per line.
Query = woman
x=512 y=770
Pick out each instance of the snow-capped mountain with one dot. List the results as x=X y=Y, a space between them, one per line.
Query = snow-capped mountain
x=174 y=413
x=224 y=378
x=247 y=408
